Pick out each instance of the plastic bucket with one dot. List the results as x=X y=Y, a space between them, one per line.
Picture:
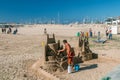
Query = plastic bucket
x=77 y=67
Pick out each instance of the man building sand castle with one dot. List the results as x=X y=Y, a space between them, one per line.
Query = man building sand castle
x=69 y=52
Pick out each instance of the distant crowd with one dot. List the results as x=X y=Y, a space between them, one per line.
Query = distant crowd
x=85 y=34
x=90 y=33
x=9 y=30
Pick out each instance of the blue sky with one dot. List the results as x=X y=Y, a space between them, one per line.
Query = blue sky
x=30 y=10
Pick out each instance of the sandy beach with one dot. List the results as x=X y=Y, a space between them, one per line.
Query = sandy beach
x=19 y=52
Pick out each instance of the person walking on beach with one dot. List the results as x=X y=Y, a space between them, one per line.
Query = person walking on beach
x=90 y=32
x=9 y=30
x=15 y=31
x=45 y=31
x=82 y=34
x=107 y=32
x=99 y=36
x=110 y=34
x=94 y=33
x=69 y=52
x=3 y=30
x=86 y=34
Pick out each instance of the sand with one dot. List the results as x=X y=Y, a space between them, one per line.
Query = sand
x=19 y=52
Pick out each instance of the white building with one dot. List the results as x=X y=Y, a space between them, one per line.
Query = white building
x=114 y=23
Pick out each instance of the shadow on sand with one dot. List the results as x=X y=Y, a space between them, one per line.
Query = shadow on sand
x=87 y=66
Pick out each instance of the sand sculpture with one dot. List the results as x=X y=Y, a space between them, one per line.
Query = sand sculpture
x=83 y=50
x=54 y=61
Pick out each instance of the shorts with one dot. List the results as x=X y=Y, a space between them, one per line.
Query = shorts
x=70 y=60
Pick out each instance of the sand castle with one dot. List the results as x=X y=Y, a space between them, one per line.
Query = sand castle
x=82 y=49
x=54 y=61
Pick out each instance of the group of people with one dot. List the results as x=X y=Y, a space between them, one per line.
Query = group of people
x=67 y=46
x=109 y=33
x=9 y=30
x=3 y=30
x=91 y=34
x=85 y=34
